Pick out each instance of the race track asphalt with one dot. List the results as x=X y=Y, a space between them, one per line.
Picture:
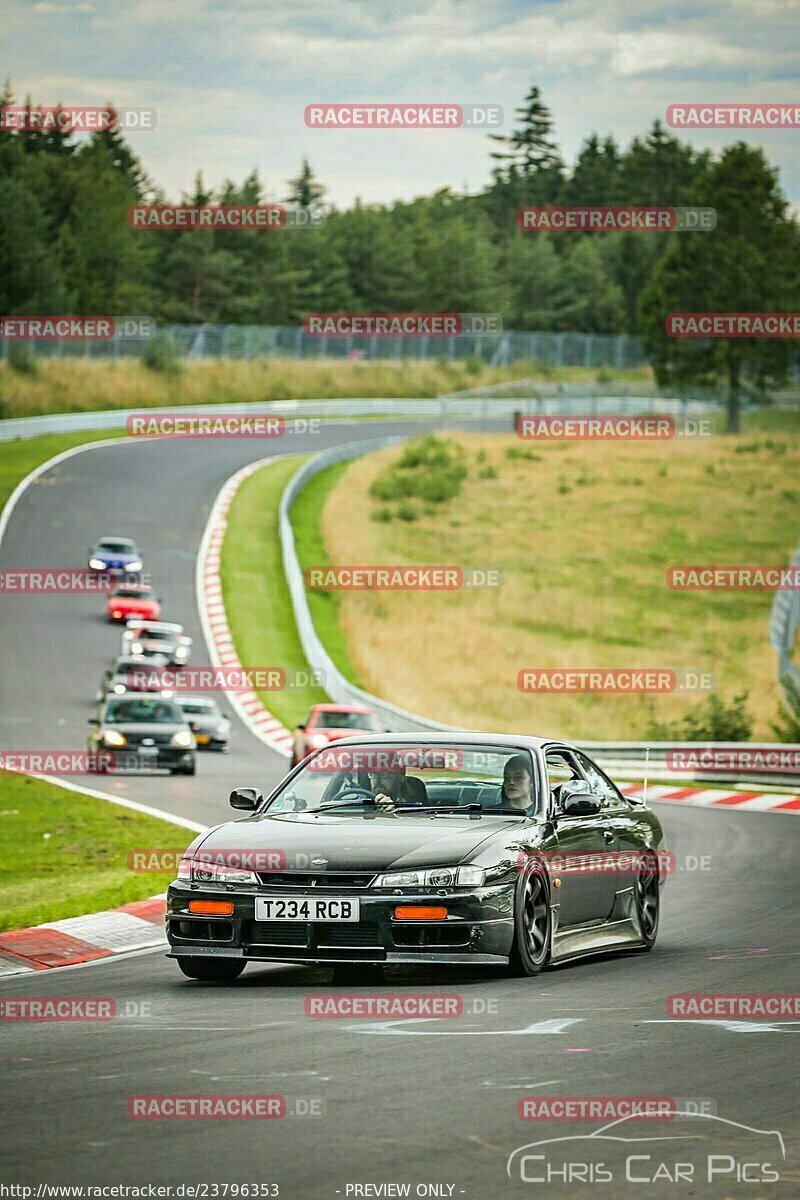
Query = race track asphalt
x=416 y=1102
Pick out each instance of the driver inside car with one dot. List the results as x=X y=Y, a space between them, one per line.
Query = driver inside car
x=517 y=790
x=395 y=789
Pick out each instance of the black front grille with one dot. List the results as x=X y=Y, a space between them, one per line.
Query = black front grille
x=280 y=933
x=361 y=933
x=159 y=739
x=408 y=937
x=317 y=879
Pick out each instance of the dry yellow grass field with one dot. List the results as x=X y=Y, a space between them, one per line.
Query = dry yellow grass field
x=81 y=385
x=584 y=534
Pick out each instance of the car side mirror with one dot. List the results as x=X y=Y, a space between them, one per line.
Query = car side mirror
x=576 y=799
x=93 y=721
x=301 y=726
x=245 y=797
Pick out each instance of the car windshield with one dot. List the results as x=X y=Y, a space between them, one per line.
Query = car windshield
x=345 y=720
x=123 y=665
x=156 y=635
x=412 y=777
x=206 y=708
x=141 y=709
x=116 y=547
x=134 y=593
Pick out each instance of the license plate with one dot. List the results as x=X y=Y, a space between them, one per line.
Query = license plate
x=307 y=908
x=148 y=751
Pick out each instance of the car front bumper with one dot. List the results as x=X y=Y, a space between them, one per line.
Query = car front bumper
x=479 y=928
x=132 y=759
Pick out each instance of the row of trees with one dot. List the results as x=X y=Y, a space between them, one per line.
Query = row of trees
x=65 y=245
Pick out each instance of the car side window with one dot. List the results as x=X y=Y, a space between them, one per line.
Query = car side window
x=561 y=768
x=601 y=786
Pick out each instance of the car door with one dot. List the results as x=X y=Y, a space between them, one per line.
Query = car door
x=585 y=894
x=630 y=826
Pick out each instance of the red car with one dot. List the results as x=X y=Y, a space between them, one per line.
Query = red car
x=133 y=600
x=328 y=723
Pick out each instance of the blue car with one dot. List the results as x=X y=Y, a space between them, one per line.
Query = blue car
x=115 y=554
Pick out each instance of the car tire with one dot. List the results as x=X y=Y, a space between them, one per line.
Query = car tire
x=533 y=921
x=212 y=970
x=647 y=899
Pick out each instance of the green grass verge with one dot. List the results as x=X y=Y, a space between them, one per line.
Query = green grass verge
x=66 y=854
x=306 y=518
x=19 y=458
x=257 y=601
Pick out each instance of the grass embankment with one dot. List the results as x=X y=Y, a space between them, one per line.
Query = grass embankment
x=85 y=386
x=257 y=601
x=66 y=854
x=584 y=533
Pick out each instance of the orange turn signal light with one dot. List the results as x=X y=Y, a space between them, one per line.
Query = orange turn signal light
x=418 y=912
x=212 y=908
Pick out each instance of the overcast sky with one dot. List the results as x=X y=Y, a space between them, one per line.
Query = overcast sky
x=230 y=79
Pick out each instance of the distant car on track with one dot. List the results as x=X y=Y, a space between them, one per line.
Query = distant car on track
x=157 y=638
x=328 y=723
x=115 y=554
x=209 y=724
x=130 y=600
x=124 y=673
x=143 y=732
x=457 y=849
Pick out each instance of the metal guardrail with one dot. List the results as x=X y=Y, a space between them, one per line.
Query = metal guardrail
x=441 y=409
x=784 y=624
x=621 y=757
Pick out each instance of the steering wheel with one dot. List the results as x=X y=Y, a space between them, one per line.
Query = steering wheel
x=353 y=791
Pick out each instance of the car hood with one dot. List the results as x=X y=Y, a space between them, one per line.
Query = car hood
x=359 y=842
x=147 y=728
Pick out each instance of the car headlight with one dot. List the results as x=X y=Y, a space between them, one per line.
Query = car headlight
x=317 y=741
x=112 y=738
x=136 y=648
x=197 y=871
x=183 y=738
x=181 y=651
x=97 y=564
x=136 y=565
x=434 y=877
x=120 y=689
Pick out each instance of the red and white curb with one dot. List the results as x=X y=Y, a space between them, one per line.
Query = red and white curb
x=136 y=926
x=264 y=724
x=717 y=798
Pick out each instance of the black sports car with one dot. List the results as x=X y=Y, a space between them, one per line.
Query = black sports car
x=466 y=848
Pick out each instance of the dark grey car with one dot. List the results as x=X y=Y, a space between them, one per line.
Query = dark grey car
x=142 y=733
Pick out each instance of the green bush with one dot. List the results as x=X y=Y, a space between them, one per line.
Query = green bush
x=384 y=515
x=474 y=365
x=22 y=359
x=713 y=720
x=430 y=469
x=407 y=512
x=160 y=355
x=489 y=472
x=515 y=452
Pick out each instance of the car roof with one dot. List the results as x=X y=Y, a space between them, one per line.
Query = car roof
x=115 y=537
x=159 y=625
x=185 y=696
x=342 y=708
